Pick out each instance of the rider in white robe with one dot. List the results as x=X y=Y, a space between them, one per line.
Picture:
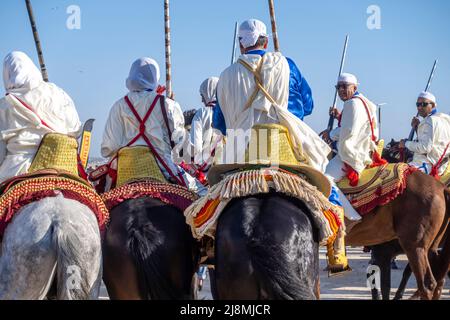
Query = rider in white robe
x=235 y=88
x=30 y=109
x=204 y=138
x=433 y=136
x=355 y=137
x=122 y=125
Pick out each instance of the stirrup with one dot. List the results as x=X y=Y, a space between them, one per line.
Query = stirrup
x=338 y=270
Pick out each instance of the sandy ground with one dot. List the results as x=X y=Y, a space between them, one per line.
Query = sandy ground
x=350 y=286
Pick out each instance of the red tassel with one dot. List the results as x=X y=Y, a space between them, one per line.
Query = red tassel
x=160 y=89
x=434 y=172
x=377 y=160
x=352 y=175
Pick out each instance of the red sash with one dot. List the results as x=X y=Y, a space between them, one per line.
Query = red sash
x=178 y=178
x=377 y=160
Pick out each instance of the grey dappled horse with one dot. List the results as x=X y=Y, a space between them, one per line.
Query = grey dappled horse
x=52 y=237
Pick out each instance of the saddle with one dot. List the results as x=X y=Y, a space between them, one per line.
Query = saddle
x=54 y=170
x=445 y=177
x=376 y=186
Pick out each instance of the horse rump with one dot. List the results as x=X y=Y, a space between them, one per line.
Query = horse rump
x=266 y=248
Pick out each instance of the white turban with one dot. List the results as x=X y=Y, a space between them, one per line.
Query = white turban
x=208 y=89
x=250 y=31
x=20 y=75
x=144 y=75
x=428 y=96
x=348 y=78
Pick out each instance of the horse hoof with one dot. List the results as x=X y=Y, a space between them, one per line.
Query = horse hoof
x=415 y=296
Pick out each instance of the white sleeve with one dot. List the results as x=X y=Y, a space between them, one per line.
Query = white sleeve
x=425 y=139
x=176 y=121
x=114 y=131
x=352 y=123
x=73 y=124
x=334 y=134
x=179 y=135
x=197 y=132
x=3 y=123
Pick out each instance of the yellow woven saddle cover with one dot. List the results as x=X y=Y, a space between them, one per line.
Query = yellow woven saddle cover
x=376 y=186
x=56 y=151
x=135 y=163
x=445 y=178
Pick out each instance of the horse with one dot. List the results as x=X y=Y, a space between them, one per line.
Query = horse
x=52 y=239
x=266 y=247
x=149 y=252
x=382 y=254
x=420 y=216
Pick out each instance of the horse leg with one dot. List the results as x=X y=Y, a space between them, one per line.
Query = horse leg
x=401 y=288
x=420 y=266
x=28 y=260
x=76 y=238
x=382 y=258
x=418 y=217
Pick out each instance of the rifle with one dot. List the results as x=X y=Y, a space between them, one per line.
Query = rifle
x=411 y=133
x=344 y=53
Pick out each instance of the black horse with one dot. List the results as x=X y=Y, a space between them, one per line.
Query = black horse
x=266 y=248
x=149 y=252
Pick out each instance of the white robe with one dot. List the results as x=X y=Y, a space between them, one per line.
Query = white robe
x=21 y=130
x=204 y=137
x=354 y=136
x=236 y=85
x=433 y=135
x=122 y=126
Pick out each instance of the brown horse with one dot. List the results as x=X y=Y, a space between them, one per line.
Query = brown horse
x=418 y=219
x=382 y=254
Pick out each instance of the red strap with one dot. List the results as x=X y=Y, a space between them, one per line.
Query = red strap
x=160 y=90
x=29 y=108
x=434 y=169
x=374 y=139
x=141 y=121
x=142 y=134
x=352 y=175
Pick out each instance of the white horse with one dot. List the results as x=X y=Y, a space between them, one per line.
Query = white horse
x=51 y=236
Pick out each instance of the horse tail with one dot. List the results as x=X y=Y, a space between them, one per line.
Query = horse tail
x=78 y=251
x=143 y=242
x=283 y=277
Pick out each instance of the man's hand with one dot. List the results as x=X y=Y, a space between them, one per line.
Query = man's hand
x=401 y=144
x=415 y=123
x=334 y=113
x=325 y=134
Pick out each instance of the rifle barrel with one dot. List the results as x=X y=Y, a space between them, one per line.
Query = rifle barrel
x=344 y=53
x=430 y=78
x=36 y=40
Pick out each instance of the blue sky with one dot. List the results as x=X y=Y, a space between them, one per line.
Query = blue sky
x=392 y=63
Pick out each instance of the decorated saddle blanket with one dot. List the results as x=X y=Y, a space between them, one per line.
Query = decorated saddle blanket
x=22 y=190
x=377 y=186
x=172 y=194
x=445 y=178
x=203 y=214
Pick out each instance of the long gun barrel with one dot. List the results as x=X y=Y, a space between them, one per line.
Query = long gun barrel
x=411 y=133
x=344 y=53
